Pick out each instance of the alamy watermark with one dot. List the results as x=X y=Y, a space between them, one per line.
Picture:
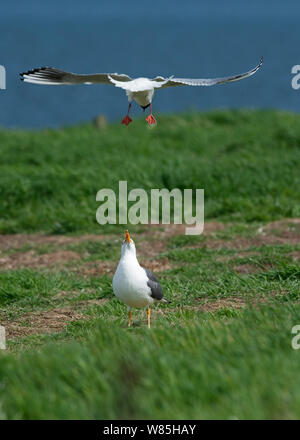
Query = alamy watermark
x=140 y=212
x=296 y=79
x=2 y=78
x=296 y=339
x=2 y=338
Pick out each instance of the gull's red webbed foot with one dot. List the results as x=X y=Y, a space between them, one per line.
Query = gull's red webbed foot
x=151 y=120
x=126 y=120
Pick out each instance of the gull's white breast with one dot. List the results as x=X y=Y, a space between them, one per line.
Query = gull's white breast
x=130 y=284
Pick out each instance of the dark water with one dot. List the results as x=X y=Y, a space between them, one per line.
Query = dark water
x=193 y=39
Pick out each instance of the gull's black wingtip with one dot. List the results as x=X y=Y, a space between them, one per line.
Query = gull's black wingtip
x=33 y=71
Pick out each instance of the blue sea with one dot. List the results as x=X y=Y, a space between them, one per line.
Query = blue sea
x=186 y=39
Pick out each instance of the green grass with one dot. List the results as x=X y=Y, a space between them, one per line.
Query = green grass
x=247 y=162
x=222 y=347
x=239 y=366
x=28 y=287
x=196 y=362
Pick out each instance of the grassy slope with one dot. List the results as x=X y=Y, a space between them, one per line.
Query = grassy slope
x=246 y=162
x=197 y=362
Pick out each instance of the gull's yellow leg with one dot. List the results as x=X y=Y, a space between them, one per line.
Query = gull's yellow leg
x=129 y=318
x=148 y=316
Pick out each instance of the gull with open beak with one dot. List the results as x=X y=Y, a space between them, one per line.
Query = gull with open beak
x=140 y=90
x=133 y=284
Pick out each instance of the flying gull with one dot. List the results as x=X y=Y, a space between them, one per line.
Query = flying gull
x=133 y=284
x=140 y=90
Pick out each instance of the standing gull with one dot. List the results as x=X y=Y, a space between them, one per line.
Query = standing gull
x=133 y=284
x=140 y=90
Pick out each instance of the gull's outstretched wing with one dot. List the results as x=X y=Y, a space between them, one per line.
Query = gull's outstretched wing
x=203 y=81
x=51 y=76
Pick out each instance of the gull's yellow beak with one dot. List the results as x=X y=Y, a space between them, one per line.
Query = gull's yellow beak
x=127 y=237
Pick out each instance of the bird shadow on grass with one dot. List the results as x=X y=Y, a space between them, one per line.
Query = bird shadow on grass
x=135 y=324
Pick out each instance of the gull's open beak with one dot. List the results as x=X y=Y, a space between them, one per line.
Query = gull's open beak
x=127 y=237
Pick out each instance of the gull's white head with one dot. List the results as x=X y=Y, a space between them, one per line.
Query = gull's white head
x=128 y=246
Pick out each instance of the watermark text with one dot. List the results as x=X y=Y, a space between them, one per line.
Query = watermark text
x=150 y=208
x=2 y=78
x=2 y=338
x=296 y=79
